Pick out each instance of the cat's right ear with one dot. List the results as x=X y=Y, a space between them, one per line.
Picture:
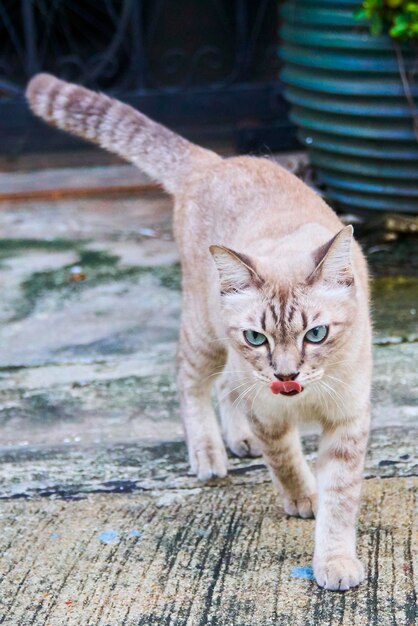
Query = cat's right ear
x=236 y=270
x=334 y=264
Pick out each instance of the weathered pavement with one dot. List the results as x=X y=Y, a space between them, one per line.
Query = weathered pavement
x=101 y=523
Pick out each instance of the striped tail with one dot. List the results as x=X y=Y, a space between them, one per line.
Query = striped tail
x=164 y=156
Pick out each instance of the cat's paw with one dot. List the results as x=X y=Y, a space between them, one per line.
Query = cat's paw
x=208 y=459
x=244 y=445
x=302 y=507
x=339 y=574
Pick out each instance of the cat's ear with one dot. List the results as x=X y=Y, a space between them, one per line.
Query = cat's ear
x=334 y=260
x=236 y=270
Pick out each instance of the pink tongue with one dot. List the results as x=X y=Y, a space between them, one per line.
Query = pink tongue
x=286 y=386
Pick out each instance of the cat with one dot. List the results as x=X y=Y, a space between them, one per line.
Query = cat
x=275 y=303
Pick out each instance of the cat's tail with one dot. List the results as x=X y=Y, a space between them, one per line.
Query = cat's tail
x=164 y=156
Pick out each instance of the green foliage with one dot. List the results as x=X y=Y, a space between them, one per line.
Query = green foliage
x=398 y=17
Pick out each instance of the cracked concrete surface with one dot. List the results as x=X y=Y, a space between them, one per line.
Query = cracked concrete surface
x=101 y=523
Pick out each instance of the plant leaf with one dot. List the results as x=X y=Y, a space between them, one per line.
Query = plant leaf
x=360 y=14
x=376 y=24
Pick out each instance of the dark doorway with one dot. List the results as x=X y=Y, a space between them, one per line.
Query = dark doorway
x=208 y=68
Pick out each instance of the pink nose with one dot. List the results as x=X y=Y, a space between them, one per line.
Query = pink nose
x=287 y=387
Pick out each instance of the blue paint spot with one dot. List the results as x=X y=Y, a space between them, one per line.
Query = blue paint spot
x=135 y=533
x=305 y=572
x=108 y=536
x=54 y=536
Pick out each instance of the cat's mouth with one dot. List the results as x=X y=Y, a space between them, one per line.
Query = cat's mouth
x=286 y=387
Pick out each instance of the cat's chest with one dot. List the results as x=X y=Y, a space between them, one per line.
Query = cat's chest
x=300 y=408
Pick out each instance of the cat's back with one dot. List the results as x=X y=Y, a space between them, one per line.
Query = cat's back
x=256 y=193
x=239 y=201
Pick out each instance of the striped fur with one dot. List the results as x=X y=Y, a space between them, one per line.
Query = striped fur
x=163 y=155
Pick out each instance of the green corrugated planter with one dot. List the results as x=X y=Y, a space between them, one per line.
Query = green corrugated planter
x=349 y=105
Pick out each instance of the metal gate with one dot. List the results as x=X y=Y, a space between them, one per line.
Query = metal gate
x=208 y=68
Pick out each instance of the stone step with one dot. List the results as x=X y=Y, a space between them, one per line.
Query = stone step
x=73 y=182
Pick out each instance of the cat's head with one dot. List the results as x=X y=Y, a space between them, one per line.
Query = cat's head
x=286 y=328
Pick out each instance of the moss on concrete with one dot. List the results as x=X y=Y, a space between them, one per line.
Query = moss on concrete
x=153 y=397
x=97 y=267
x=394 y=258
x=14 y=247
x=168 y=275
x=395 y=308
x=40 y=407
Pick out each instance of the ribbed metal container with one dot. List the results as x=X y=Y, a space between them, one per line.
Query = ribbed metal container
x=350 y=106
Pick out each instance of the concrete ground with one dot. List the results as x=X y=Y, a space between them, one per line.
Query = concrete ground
x=101 y=524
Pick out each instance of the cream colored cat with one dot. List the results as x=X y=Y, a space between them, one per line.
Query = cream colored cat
x=275 y=300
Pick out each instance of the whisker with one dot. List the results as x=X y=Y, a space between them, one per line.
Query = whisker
x=321 y=396
x=338 y=380
x=331 y=388
x=229 y=391
x=335 y=397
x=242 y=396
x=324 y=393
x=254 y=399
x=253 y=388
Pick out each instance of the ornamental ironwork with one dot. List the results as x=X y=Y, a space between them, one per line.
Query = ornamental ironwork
x=134 y=46
x=192 y=64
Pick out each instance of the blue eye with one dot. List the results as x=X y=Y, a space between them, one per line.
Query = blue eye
x=317 y=334
x=254 y=338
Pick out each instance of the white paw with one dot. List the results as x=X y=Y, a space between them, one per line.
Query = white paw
x=302 y=507
x=244 y=445
x=208 y=459
x=339 y=574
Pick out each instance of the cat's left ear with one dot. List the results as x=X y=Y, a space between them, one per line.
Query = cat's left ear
x=334 y=260
x=236 y=270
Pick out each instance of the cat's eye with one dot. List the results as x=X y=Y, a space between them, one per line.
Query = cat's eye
x=316 y=334
x=254 y=338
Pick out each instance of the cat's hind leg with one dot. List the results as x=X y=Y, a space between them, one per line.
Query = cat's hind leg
x=199 y=362
x=235 y=392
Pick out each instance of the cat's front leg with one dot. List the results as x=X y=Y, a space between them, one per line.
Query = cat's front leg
x=339 y=477
x=198 y=364
x=207 y=454
x=236 y=392
x=282 y=452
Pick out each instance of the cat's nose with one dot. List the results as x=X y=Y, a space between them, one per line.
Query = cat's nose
x=287 y=376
